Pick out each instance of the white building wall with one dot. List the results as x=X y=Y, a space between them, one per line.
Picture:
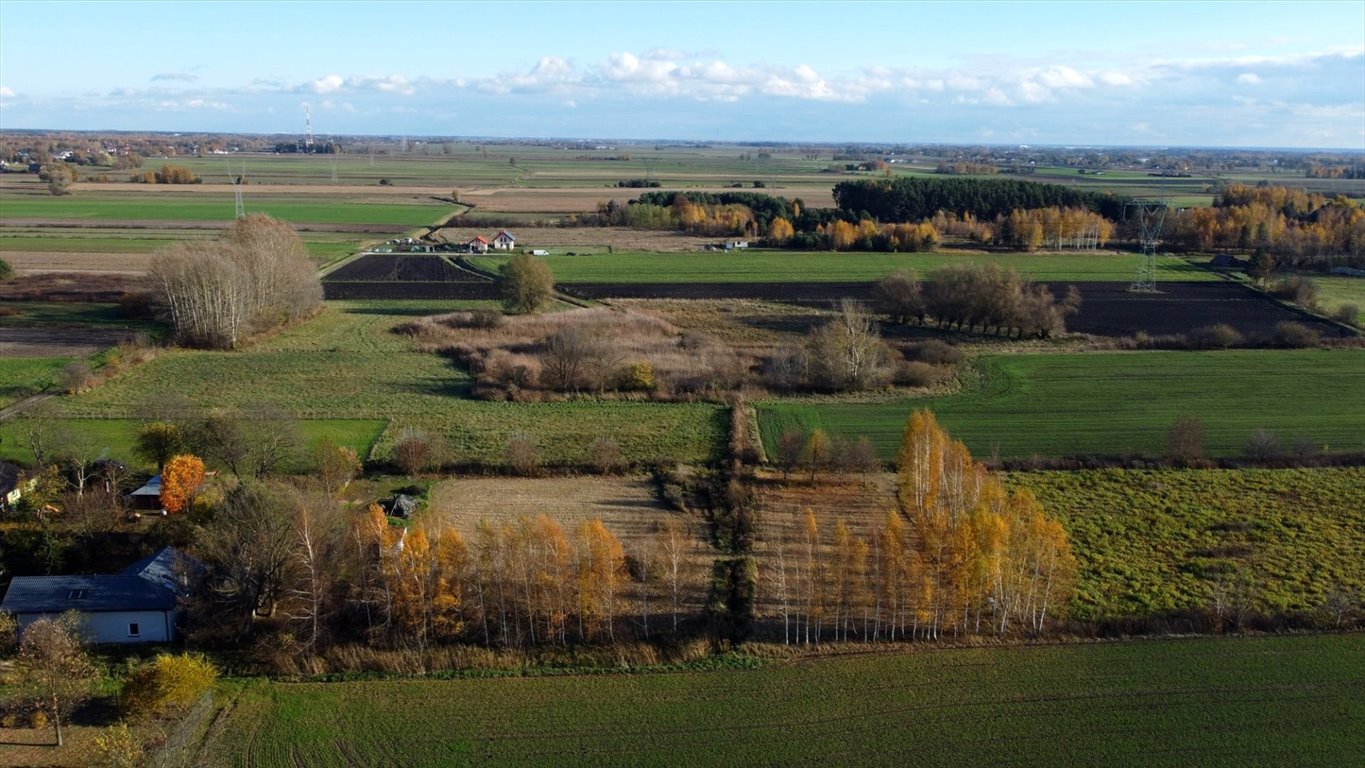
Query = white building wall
x=113 y=626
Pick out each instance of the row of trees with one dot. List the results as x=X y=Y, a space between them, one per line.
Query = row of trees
x=962 y=556
x=278 y=550
x=988 y=296
x=169 y=174
x=1297 y=228
x=256 y=277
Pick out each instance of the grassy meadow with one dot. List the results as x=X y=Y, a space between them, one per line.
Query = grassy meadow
x=807 y=266
x=1155 y=541
x=1115 y=403
x=347 y=365
x=1224 y=702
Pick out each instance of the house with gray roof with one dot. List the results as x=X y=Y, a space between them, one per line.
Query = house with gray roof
x=139 y=605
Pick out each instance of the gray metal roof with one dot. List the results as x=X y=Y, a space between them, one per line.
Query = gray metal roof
x=89 y=594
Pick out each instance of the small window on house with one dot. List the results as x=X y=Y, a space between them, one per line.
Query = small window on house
x=76 y=594
x=134 y=630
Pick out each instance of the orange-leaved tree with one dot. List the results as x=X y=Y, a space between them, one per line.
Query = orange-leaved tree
x=182 y=477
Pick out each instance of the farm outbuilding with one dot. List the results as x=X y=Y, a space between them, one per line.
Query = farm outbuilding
x=139 y=605
x=148 y=497
x=12 y=485
x=402 y=506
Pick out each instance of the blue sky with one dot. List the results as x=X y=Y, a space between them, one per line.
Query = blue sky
x=1156 y=73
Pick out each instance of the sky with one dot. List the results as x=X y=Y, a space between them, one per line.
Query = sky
x=1236 y=74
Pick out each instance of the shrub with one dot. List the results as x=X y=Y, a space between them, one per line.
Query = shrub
x=1185 y=438
x=916 y=374
x=37 y=719
x=1298 y=289
x=1262 y=445
x=167 y=684
x=1294 y=335
x=412 y=451
x=1346 y=313
x=638 y=376
x=6 y=271
x=1217 y=336
x=522 y=455
x=118 y=748
x=77 y=376
x=934 y=352
x=605 y=456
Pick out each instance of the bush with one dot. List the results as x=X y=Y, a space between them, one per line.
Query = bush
x=166 y=685
x=412 y=451
x=1344 y=313
x=522 y=455
x=638 y=376
x=605 y=456
x=934 y=352
x=1185 y=438
x=118 y=747
x=1217 y=336
x=916 y=374
x=1298 y=289
x=76 y=377
x=37 y=719
x=6 y=271
x=1262 y=445
x=1293 y=335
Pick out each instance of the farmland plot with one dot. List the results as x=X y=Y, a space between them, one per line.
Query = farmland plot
x=1116 y=403
x=1211 y=702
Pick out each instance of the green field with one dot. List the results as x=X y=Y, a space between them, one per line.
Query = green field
x=199 y=206
x=24 y=376
x=1116 y=403
x=806 y=266
x=1155 y=541
x=1206 y=702
x=1335 y=291
x=346 y=364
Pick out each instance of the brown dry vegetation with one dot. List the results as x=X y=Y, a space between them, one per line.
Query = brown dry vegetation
x=34 y=262
x=584 y=350
x=57 y=286
x=740 y=322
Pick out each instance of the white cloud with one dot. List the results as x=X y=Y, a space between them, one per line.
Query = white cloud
x=183 y=77
x=6 y=92
x=328 y=84
x=1249 y=78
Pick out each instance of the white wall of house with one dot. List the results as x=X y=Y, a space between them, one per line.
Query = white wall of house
x=117 y=626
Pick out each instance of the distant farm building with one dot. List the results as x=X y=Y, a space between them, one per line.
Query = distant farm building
x=12 y=486
x=139 y=605
x=478 y=245
x=148 y=497
x=504 y=241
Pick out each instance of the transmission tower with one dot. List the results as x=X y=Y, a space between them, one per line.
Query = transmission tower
x=334 y=169
x=237 y=188
x=1151 y=216
x=308 y=128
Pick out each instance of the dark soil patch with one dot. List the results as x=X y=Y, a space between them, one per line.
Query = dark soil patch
x=74 y=287
x=1107 y=309
x=403 y=267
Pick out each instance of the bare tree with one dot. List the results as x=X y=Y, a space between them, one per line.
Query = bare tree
x=412 y=451
x=257 y=277
x=673 y=541
x=55 y=666
x=790 y=444
x=1185 y=438
x=848 y=353
x=248 y=546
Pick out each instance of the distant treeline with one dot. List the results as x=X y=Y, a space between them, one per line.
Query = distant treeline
x=917 y=199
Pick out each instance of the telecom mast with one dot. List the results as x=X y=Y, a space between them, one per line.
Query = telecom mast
x=308 y=128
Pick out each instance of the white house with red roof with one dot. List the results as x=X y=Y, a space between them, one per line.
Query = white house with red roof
x=478 y=245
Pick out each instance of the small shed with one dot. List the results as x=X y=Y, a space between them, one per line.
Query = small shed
x=478 y=245
x=11 y=488
x=148 y=497
x=504 y=241
x=402 y=506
